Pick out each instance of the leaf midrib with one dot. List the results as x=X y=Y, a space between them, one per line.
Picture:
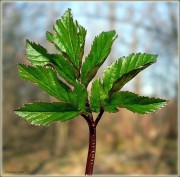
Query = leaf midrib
x=71 y=41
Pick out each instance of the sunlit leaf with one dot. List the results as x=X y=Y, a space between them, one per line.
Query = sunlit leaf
x=47 y=113
x=100 y=50
x=69 y=38
x=36 y=53
x=123 y=70
x=46 y=79
x=136 y=103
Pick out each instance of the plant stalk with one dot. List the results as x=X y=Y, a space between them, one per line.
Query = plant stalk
x=92 y=142
x=92 y=150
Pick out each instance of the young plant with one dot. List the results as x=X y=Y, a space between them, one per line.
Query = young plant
x=65 y=77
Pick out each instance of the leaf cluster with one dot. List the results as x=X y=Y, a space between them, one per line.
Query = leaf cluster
x=66 y=77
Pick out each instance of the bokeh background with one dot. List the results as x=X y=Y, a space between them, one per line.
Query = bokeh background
x=127 y=143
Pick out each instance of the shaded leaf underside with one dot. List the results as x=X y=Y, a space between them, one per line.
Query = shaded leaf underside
x=64 y=68
x=97 y=95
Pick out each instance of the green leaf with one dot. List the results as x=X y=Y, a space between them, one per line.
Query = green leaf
x=69 y=38
x=123 y=70
x=46 y=79
x=47 y=113
x=79 y=96
x=36 y=53
x=136 y=103
x=64 y=68
x=97 y=96
x=82 y=36
x=99 y=52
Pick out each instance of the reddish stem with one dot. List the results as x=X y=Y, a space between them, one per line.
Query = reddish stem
x=92 y=150
x=99 y=116
x=92 y=141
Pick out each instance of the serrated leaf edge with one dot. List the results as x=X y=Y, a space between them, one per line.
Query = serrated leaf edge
x=46 y=125
x=159 y=108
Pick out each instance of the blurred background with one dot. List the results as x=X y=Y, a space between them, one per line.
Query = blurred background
x=127 y=143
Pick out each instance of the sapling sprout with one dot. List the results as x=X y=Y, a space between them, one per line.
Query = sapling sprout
x=49 y=71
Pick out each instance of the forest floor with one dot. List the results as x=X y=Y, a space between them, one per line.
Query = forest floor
x=107 y=162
